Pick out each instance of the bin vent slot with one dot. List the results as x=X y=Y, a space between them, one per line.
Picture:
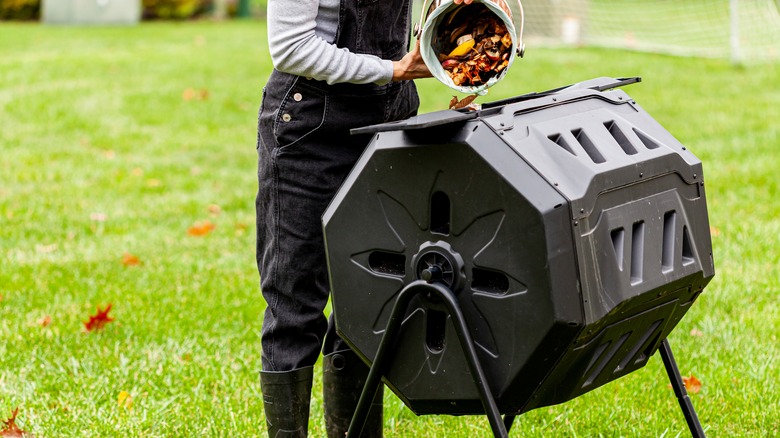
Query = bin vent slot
x=560 y=141
x=588 y=145
x=484 y=280
x=687 y=248
x=440 y=213
x=387 y=263
x=646 y=140
x=618 y=238
x=605 y=359
x=635 y=356
x=637 y=252
x=620 y=137
x=670 y=234
x=435 y=328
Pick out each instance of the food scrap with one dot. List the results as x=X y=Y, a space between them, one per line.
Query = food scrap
x=473 y=44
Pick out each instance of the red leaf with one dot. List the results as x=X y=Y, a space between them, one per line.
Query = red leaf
x=130 y=259
x=99 y=320
x=45 y=321
x=201 y=228
x=692 y=384
x=11 y=429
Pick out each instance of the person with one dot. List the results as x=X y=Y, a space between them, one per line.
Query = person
x=338 y=64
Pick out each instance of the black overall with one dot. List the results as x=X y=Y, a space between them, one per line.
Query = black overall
x=304 y=154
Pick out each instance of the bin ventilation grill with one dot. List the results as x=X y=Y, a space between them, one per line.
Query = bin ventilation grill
x=674 y=241
x=579 y=141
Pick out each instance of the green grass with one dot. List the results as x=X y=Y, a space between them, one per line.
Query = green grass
x=102 y=156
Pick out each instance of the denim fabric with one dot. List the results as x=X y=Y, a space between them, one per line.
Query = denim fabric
x=305 y=152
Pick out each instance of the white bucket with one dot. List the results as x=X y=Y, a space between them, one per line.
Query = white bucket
x=509 y=11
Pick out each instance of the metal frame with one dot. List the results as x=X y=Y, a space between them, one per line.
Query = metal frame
x=500 y=426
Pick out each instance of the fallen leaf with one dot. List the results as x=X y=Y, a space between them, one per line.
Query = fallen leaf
x=697 y=333
x=45 y=321
x=195 y=94
x=99 y=320
x=11 y=429
x=130 y=259
x=692 y=384
x=214 y=209
x=714 y=231
x=201 y=228
x=125 y=400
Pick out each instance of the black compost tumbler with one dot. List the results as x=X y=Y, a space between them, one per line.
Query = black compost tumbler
x=539 y=247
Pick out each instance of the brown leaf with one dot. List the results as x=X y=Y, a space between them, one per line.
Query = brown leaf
x=45 y=321
x=692 y=384
x=99 y=320
x=130 y=259
x=466 y=101
x=714 y=231
x=10 y=428
x=214 y=209
x=201 y=228
x=194 y=94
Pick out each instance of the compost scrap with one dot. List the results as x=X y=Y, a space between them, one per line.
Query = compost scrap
x=473 y=44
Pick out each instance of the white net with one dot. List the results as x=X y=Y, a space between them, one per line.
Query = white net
x=742 y=30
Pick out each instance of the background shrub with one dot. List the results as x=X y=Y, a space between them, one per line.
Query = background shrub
x=20 y=9
x=175 y=9
x=152 y=9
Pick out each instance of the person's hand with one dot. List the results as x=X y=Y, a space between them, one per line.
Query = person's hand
x=465 y=2
x=412 y=66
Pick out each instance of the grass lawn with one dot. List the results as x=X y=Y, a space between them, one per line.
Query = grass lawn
x=118 y=141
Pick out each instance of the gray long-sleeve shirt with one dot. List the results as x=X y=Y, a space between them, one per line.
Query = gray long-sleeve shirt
x=301 y=34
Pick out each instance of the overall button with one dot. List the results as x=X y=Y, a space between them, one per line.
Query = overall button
x=286 y=117
x=297 y=97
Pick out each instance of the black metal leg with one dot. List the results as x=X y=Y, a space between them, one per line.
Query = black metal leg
x=679 y=390
x=508 y=421
x=379 y=366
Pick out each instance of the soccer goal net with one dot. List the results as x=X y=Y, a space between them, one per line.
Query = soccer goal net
x=744 y=31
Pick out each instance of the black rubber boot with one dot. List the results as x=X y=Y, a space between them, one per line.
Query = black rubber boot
x=286 y=396
x=343 y=378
